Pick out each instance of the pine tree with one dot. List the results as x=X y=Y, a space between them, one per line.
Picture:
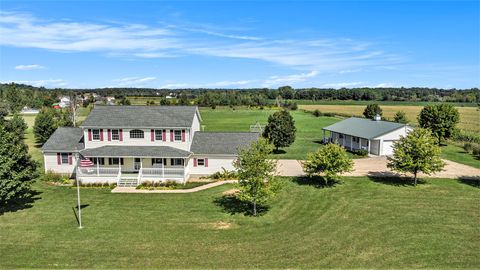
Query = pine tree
x=400 y=117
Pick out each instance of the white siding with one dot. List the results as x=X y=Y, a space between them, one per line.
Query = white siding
x=215 y=164
x=388 y=139
x=375 y=147
x=50 y=160
x=137 y=142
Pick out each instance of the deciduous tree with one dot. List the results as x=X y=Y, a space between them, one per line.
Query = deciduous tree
x=440 y=120
x=372 y=110
x=280 y=130
x=400 y=117
x=256 y=174
x=417 y=152
x=328 y=161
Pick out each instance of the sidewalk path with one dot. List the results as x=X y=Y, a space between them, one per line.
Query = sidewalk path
x=195 y=189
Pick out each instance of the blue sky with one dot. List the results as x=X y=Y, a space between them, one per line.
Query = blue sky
x=220 y=44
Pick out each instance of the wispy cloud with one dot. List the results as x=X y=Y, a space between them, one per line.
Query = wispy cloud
x=133 y=81
x=220 y=84
x=289 y=79
x=28 y=67
x=144 y=41
x=344 y=84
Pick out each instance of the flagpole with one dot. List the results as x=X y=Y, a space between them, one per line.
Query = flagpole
x=78 y=198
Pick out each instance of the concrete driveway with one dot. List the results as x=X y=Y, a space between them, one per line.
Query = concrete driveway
x=378 y=166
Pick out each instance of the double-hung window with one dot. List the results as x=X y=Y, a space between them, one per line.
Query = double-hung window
x=115 y=135
x=64 y=158
x=96 y=134
x=158 y=135
x=178 y=135
x=115 y=161
x=201 y=162
x=157 y=162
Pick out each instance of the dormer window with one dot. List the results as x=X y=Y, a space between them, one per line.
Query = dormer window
x=136 y=134
x=96 y=134
x=178 y=135
x=115 y=135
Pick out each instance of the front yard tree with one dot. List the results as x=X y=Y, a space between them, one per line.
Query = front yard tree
x=17 y=170
x=256 y=174
x=372 y=110
x=280 y=130
x=417 y=152
x=440 y=120
x=328 y=161
x=400 y=117
x=17 y=125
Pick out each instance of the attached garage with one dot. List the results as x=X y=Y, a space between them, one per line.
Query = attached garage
x=374 y=135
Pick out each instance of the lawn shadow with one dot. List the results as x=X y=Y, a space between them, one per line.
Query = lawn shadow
x=23 y=203
x=232 y=205
x=318 y=142
x=393 y=179
x=473 y=181
x=75 y=211
x=314 y=181
x=279 y=151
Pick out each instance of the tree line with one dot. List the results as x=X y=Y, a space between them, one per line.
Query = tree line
x=14 y=97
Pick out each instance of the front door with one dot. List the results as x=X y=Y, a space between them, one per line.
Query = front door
x=137 y=164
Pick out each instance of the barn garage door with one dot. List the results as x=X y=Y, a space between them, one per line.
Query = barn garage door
x=388 y=148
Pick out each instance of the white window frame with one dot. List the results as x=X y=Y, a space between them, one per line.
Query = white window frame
x=94 y=136
x=158 y=135
x=117 y=136
x=64 y=155
x=135 y=134
x=175 y=135
x=115 y=161
x=200 y=160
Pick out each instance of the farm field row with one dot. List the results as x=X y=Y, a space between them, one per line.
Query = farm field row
x=469 y=116
x=360 y=223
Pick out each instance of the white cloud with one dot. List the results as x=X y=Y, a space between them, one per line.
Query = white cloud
x=175 y=86
x=344 y=84
x=219 y=84
x=289 y=79
x=145 y=41
x=133 y=81
x=28 y=67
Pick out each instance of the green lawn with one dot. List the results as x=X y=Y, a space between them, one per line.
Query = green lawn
x=309 y=128
x=457 y=154
x=358 y=224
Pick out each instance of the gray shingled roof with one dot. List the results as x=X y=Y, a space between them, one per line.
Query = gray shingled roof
x=135 y=151
x=364 y=128
x=140 y=116
x=221 y=143
x=65 y=139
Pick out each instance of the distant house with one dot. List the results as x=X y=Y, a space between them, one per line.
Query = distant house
x=56 y=106
x=374 y=135
x=64 y=102
x=27 y=110
x=131 y=144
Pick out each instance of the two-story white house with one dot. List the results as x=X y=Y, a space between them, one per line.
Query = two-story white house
x=130 y=144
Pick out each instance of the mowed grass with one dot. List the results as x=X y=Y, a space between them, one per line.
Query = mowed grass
x=309 y=128
x=457 y=154
x=357 y=224
x=469 y=116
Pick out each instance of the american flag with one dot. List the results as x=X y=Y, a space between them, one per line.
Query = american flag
x=86 y=163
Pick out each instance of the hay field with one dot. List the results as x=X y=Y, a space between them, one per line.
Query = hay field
x=469 y=116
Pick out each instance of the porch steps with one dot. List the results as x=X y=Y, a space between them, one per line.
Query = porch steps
x=127 y=182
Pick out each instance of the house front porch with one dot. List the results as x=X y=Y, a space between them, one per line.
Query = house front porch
x=135 y=168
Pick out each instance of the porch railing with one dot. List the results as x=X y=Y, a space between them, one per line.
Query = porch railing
x=98 y=171
x=166 y=172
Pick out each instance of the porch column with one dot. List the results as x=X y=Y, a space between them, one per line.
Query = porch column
x=369 y=146
x=98 y=168
x=184 y=171
x=360 y=143
x=323 y=135
x=351 y=142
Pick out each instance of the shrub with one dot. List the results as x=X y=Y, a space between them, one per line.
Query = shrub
x=476 y=151
x=53 y=177
x=468 y=147
x=329 y=114
x=317 y=113
x=224 y=175
x=360 y=152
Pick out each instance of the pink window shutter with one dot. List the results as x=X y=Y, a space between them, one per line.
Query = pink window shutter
x=59 y=159
x=206 y=162
x=109 y=134
x=101 y=135
x=183 y=135
x=152 y=135
x=164 y=135
x=70 y=159
x=89 y=135
x=120 y=136
x=171 y=135
x=194 y=162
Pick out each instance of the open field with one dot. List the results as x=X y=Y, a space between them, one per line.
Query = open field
x=469 y=116
x=457 y=154
x=309 y=128
x=136 y=100
x=381 y=103
x=358 y=224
